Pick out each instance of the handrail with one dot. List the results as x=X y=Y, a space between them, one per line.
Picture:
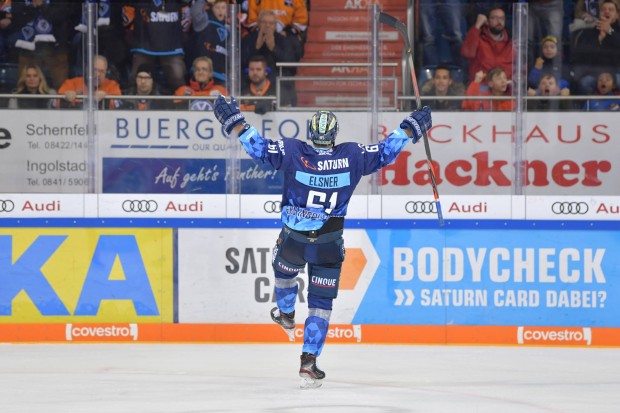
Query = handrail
x=133 y=97
x=331 y=64
x=290 y=78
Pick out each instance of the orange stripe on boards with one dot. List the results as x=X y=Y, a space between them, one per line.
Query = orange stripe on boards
x=338 y=333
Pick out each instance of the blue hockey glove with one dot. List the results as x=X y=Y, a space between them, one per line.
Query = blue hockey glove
x=418 y=122
x=228 y=114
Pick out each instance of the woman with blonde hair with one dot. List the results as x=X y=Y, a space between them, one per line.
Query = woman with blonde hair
x=32 y=82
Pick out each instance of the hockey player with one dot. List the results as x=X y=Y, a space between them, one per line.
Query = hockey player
x=319 y=180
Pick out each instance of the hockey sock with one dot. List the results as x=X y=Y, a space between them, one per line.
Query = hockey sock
x=286 y=294
x=315 y=330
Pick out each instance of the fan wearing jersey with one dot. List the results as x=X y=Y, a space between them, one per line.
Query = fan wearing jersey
x=319 y=180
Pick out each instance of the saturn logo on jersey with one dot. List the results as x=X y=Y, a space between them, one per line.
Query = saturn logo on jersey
x=330 y=164
x=307 y=164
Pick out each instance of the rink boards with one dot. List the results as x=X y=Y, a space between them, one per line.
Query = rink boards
x=473 y=281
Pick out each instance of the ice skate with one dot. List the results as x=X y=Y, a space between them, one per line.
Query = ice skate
x=311 y=376
x=286 y=321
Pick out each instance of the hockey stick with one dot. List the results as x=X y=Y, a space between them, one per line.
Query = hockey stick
x=400 y=26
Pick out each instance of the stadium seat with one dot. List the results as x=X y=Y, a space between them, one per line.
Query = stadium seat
x=9 y=74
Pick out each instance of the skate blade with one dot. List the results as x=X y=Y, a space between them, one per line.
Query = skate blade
x=290 y=332
x=308 y=382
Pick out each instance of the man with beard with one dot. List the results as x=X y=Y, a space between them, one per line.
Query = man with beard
x=259 y=85
x=487 y=44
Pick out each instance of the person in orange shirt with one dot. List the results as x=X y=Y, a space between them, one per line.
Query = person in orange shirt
x=497 y=85
x=292 y=14
x=200 y=84
x=75 y=86
x=292 y=20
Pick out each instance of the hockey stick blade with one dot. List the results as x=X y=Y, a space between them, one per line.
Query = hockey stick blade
x=393 y=22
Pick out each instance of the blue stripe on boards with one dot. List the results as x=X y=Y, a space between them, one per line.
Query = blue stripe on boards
x=270 y=223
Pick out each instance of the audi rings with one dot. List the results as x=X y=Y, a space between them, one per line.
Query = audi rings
x=420 y=207
x=6 y=205
x=569 y=208
x=273 y=207
x=139 y=206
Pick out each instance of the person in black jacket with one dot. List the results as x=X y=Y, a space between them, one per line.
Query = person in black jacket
x=155 y=33
x=32 y=82
x=42 y=31
x=145 y=85
x=209 y=35
x=442 y=84
x=276 y=48
x=597 y=49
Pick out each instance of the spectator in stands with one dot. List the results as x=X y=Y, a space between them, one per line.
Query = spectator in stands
x=104 y=87
x=145 y=85
x=200 y=84
x=110 y=40
x=210 y=33
x=545 y=18
x=32 y=82
x=597 y=49
x=155 y=30
x=548 y=85
x=497 y=85
x=442 y=84
x=259 y=85
x=587 y=10
x=450 y=14
x=292 y=20
x=5 y=23
x=605 y=86
x=487 y=44
x=43 y=30
x=276 y=48
x=547 y=62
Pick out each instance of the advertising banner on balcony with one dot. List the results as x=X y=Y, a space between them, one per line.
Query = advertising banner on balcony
x=474 y=153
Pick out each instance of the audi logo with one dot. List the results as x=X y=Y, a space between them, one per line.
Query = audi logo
x=139 y=206
x=420 y=207
x=569 y=208
x=272 y=206
x=6 y=205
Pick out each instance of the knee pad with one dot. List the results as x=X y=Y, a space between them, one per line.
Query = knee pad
x=285 y=268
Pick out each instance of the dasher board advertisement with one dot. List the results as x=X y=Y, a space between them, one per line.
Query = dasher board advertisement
x=417 y=277
x=86 y=275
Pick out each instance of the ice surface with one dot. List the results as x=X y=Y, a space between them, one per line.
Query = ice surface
x=191 y=378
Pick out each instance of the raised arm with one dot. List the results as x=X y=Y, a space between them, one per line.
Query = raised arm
x=232 y=120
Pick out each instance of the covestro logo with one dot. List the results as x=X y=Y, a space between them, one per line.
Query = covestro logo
x=339 y=333
x=554 y=335
x=126 y=332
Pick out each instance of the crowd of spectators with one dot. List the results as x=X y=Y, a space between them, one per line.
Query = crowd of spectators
x=150 y=47
x=564 y=59
x=178 y=48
